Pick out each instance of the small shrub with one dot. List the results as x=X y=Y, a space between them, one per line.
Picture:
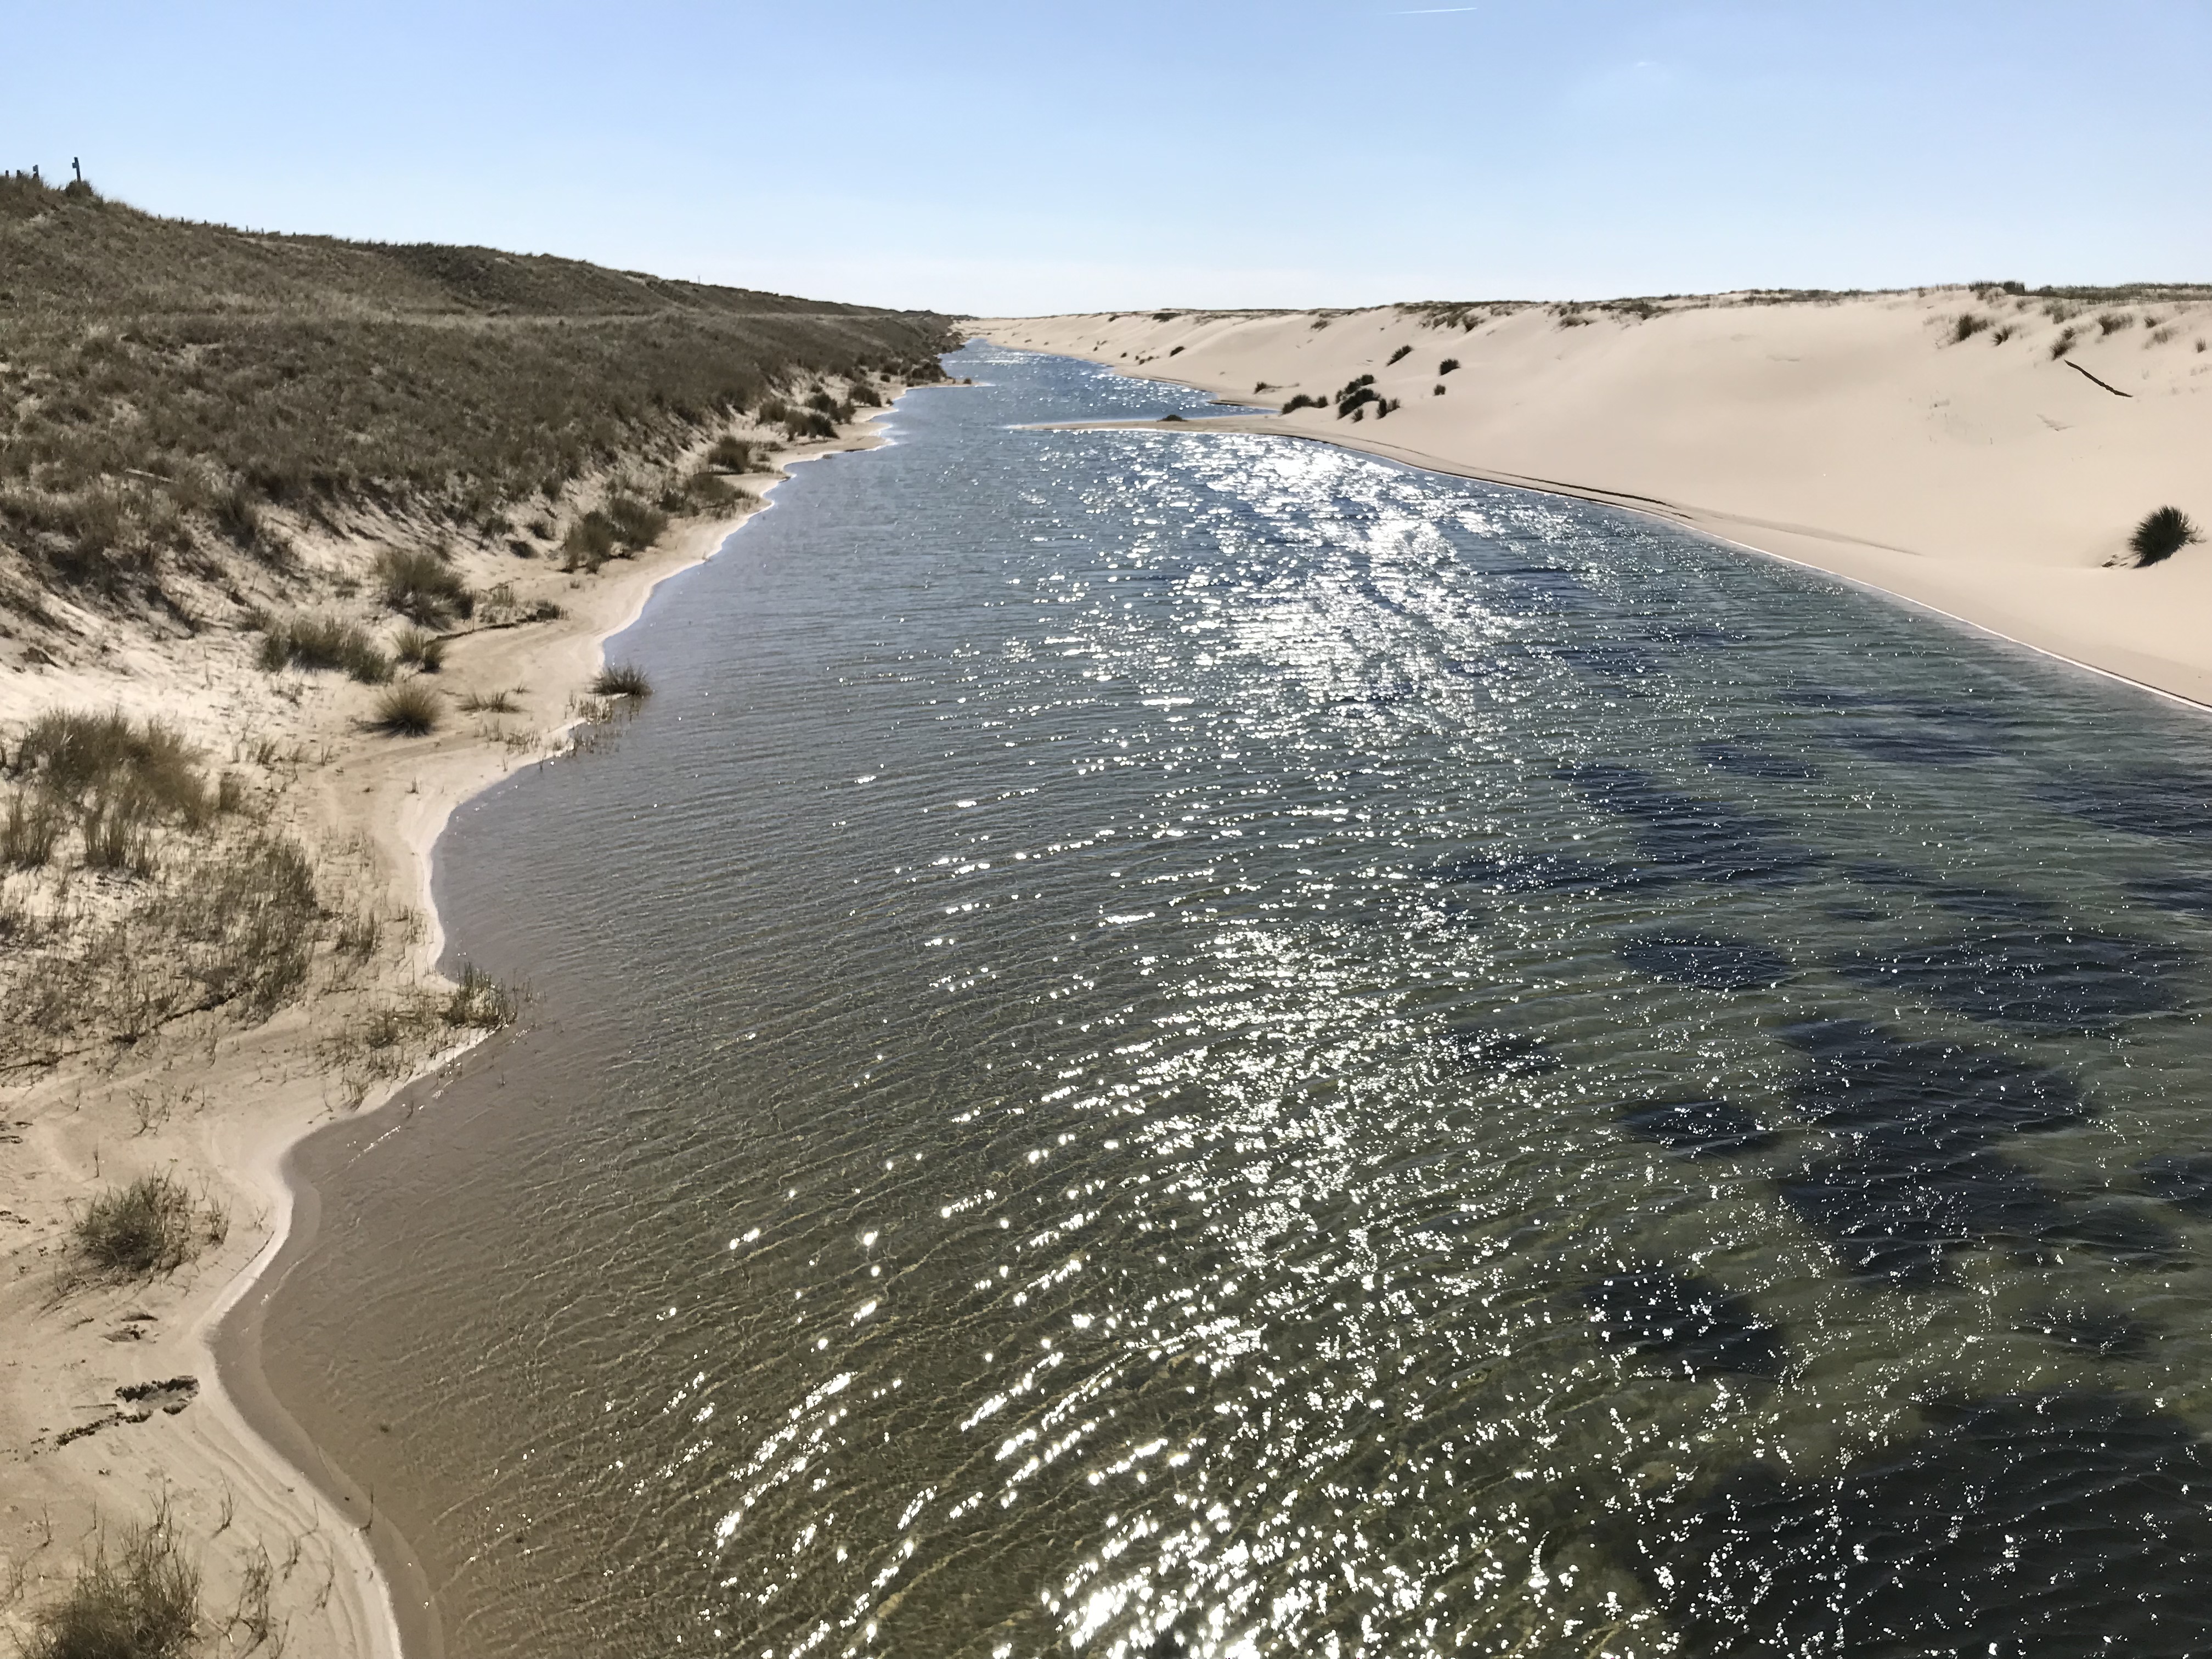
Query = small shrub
x=637 y=523
x=1440 y=390
x=2063 y=344
x=2113 y=321
x=421 y=586
x=425 y=652
x=237 y=516
x=141 y=1230
x=1176 y=352
x=1302 y=401
x=1999 y=337
x=621 y=679
x=2163 y=533
x=1402 y=352
x=1172 y=416
x=488 y=702
x=408 y=710
x=1968 y=326
x=589 y=542
x=708 y=490
x=143 y=1603
x=1447 y=366
x=480 y=1000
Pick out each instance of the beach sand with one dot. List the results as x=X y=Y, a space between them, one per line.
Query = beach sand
x=218 y=1106
x=1860 y=435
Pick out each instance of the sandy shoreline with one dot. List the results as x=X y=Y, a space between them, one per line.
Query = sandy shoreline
x=230 y=1106
x=1985 y=476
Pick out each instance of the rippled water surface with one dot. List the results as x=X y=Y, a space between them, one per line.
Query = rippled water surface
x=1170 y=1043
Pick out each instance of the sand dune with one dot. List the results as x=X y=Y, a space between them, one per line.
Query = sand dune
x=1868 y=435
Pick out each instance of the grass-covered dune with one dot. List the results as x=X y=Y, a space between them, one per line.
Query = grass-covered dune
x=163 y=384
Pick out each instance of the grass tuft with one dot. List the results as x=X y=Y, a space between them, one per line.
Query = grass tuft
x=141 y=1230
x=424 y=651
x=142 y=1602
x=621 y=679
x=2163 y=533
x=422 y=586
x=409 y=710
x=480 y=1000
x=488 y=702
x=324 y=642
x=75 y=757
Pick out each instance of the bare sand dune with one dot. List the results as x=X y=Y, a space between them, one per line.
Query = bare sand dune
x=1975 y=465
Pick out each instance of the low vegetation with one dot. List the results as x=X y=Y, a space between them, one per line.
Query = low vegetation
x=1400 y=355
x=621 y=679
x=422 y=586
x=408 y=710
x=422 y=651
x=1304 y=401
x=2163 y=533
x=142 y=1602
x=166 y=387
x=480 y=1001
x=324 y=642
x=151 y=1226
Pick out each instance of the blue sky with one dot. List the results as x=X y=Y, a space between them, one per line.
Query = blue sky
x=986 y=157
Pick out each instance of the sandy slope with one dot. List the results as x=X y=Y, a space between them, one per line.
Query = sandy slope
x=1983 y=476
x=219 y=1105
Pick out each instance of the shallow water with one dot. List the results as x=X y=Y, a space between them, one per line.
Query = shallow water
x=1189 y=1043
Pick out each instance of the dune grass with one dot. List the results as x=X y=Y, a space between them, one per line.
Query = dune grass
x=422 y=586
x=2163 y=533
x=407 y=710
x=621 y=679
x=421 y=650
x=140 y=1602
x=480 y=1001
x=324 y=642
x=137 y=1230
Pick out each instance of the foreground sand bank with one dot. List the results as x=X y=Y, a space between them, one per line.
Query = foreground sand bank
x=217 y=1105
x=1966 y=468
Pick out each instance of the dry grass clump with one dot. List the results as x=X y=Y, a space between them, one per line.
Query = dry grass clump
x=410 y=710
x=151 y=1226
x=72 y=753
x=425 y=652
x=488 y=702
x=422 y=586
x=479 y=1000
x=117 y=780
x=324 y=642
x=2163 y=533
x=621 y=679
x=142 y=1602
x=732 y=455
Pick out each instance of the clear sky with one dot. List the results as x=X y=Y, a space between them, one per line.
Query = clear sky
x=981 y=157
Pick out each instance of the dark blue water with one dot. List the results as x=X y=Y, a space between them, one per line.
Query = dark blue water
x=1187 y=1043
